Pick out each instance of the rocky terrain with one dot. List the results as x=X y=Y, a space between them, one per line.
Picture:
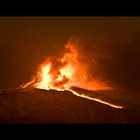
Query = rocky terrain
x=41 y=106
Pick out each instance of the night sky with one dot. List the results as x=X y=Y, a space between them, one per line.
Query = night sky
x=114 y=42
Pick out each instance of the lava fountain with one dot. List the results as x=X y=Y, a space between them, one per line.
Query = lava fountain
x=66 y=71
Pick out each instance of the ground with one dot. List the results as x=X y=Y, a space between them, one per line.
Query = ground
x=41 y=106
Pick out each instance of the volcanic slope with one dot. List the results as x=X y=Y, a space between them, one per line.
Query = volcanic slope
x=41 y=106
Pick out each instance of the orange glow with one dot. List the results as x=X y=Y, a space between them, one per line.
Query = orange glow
x=70 y=71
x=73 y=72
x=45 y=77
x=95 y=99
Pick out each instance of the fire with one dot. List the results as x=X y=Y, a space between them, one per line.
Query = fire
x=67 y=71
x=46 y=77
x=70 y=72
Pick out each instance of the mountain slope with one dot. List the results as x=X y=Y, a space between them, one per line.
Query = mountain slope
x=40 y=106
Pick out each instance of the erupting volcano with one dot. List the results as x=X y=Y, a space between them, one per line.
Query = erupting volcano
x=66 y=71
x=93 y=77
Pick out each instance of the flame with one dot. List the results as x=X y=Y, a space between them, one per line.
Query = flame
x=67 y=71
x=70 y=72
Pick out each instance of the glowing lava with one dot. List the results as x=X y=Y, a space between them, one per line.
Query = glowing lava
x=67 y=71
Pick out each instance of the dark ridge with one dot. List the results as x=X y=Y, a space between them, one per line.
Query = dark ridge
x=41 y=106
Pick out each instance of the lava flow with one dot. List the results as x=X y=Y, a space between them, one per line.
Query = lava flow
x=67 y=71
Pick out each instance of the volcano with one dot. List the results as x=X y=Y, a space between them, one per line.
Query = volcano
x=31 y=105
x=63 y=90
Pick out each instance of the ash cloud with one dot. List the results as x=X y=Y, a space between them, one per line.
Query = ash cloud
x=116 y=62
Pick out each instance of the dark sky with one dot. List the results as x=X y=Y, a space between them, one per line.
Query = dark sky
x=113 y=41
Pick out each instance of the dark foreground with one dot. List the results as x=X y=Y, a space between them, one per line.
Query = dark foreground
x=40 y=106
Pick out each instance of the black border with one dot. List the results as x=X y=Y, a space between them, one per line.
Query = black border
x=70 y=8
x=71 y=131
